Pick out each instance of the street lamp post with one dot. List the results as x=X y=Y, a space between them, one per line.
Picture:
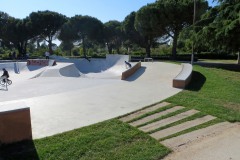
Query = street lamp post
x=194 y=17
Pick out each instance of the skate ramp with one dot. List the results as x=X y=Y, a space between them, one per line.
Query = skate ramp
x=61 y=70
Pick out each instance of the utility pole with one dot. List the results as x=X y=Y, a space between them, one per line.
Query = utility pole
x=194 y=18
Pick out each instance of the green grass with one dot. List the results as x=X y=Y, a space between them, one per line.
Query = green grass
x=212 y=91
x=218 y=61
x=109 y=140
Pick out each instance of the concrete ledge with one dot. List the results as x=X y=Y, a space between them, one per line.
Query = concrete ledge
x=15 y=125
x=184 y=77
x=41 y=62
x=130 y=71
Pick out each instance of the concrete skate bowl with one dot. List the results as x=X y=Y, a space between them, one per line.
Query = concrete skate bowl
x=110 y=68
x=113 y=67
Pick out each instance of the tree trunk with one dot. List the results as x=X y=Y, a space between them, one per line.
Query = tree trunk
x=238 y=60
x=20 y=49
x=118 y=51
x=50 y=47
x=148 y=48
x=25 y=48
x=148 y=51
x=84 y=48
x=174 y=47
x=109 y=47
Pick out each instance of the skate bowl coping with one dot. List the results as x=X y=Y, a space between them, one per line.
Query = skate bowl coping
x=184 y=77
x=15 y=124
x=130 y=71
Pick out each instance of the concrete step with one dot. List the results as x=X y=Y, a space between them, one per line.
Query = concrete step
x=183 y=141
x=154 y=116
x=142 y=112
x=164 y=122
x=175 y=129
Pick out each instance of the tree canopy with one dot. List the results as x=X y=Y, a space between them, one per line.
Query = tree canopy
x=219 y=28
x=47 y=24
x=82 y=28
x=148 y=24
x=113 y=35
x=177 y=15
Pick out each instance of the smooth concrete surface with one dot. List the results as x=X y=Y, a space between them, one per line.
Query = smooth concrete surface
x=184 y=77
x=224 y=146
x=60 y=104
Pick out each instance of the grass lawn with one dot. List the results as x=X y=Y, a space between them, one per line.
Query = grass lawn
x=219 y=61
x=211 y=91
x=109 y=140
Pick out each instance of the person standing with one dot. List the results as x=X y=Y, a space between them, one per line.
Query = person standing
x=47 y=54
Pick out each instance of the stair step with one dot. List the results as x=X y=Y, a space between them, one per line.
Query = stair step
x=164 y=122
x=175 y=129
x=154 y=116
x=142 y=112
x=182 y=141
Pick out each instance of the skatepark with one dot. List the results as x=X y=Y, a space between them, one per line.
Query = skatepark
x=77 y=93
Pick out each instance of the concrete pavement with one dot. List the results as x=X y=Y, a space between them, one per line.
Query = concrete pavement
x=60 y=104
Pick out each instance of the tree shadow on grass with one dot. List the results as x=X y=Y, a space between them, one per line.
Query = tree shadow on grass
x=230 y=67
x=24 y=150
x=197 y=81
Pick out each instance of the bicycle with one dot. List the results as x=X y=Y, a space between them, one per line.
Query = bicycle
x=6 y=82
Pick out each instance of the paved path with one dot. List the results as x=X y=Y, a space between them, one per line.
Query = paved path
x=60 y=104
x=155 y=116
x=167 y=121
x=220 y=141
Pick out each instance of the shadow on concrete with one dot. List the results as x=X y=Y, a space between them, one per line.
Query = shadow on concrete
x=137 y=74
x=24 y=150
x=230 y=67
x=33 y=68
x=197 y=81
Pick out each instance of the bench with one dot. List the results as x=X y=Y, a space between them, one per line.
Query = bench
x=148 y=59
x=15 y=123
x=184 y=77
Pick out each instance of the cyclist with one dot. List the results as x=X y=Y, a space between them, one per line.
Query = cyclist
x=5 y=75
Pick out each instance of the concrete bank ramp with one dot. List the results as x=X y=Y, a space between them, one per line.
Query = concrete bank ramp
x=61 y=70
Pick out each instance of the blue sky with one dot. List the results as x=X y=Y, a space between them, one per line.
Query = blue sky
x=104 y=10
